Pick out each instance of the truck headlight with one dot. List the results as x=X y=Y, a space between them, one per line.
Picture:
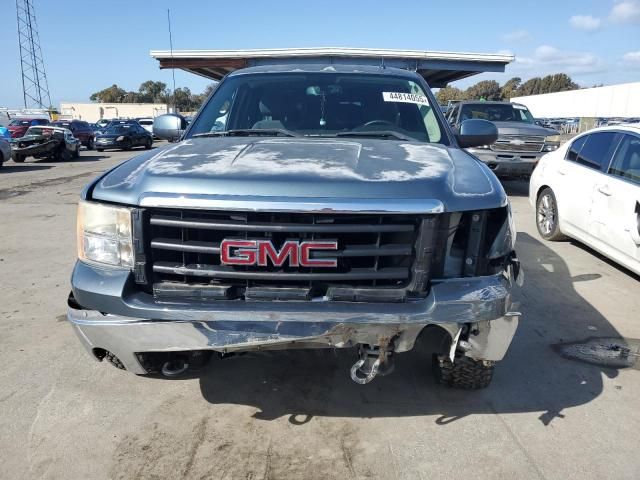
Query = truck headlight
x=104 y=234
x=505 y=239
x=551 y=143
x=120 y=138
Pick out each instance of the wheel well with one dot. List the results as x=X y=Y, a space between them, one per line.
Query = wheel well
x=99 y=353
x=541 y=189
x=435 y=338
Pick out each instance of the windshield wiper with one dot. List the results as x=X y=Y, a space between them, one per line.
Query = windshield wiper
x=379 y=134
x=247 y=132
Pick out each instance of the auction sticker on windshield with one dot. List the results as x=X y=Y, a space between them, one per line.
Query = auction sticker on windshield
x=405 y=98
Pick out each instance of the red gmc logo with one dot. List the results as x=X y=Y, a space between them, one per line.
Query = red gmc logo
x=263 y=253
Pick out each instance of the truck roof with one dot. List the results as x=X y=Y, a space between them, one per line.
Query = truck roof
x=437 y=68
x=286 y=68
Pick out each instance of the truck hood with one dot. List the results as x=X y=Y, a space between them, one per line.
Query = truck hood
x=304 y=168
x=521 y=128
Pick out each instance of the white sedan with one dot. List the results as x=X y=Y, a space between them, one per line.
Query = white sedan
x=589 y=190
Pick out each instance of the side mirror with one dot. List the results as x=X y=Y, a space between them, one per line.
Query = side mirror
x=476 y=132
x=169 y=127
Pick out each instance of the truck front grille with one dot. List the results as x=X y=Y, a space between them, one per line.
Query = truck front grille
x=518 y=143
x=376 y=255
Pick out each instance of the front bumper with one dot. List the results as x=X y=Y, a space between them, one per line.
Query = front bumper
x=117 y=317
x=509 y=164
x=110 y=145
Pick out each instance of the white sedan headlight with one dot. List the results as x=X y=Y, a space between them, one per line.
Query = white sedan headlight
x=104 y=234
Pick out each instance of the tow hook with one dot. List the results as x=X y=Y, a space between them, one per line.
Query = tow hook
x=175 y=366
x=373 y=361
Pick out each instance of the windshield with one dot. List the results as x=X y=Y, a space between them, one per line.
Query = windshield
x=119 y=129
x=39 y=131
x=322 y=104
x=145 y=122
x=20 y=123
x=496 y=112
x=44 y=131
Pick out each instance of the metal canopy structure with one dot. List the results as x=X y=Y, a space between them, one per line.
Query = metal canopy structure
x=437 y=68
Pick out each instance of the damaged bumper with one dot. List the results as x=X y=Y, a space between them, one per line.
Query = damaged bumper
x=138 y=324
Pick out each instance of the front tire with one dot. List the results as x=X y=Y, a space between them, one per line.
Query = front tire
x=148 y=144
x=547 y=218
x=18 y=158
x=465 y=373
x=91 y=144
x=100 y=149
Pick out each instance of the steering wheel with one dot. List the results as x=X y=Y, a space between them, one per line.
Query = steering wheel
x=379 y=122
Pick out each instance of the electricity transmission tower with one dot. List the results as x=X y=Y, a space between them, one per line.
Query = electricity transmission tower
x=35 y=88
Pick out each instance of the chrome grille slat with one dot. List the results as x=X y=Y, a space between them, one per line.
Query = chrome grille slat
x=266 y=227
x=350 y=251
x=523 y=143
x=215 y=271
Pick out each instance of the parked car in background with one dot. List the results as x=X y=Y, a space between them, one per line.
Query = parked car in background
x=124 y=136
x=80 y=129
x=147 y=124
x=19 y=126
x=521 y=143
x=5 y=133
x=45 y=141
x=102 y=123
x=5 y=150
x=589 y=190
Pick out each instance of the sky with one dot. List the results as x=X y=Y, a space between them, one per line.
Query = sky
x=87 y=48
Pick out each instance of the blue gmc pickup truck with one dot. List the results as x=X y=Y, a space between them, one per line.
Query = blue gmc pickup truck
x=305 y=206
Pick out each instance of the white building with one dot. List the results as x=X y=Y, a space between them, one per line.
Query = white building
x=612 y=101
x=92 y=112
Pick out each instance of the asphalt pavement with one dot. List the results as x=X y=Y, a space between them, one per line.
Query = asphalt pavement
x=296 y=414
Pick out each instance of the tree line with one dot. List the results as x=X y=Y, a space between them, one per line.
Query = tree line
x=154 y=92
x=514 y=87
x=186 y=101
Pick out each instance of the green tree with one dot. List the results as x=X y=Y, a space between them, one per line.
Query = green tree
x=112 y=94
x=153 y=92
x=486 y=89
x=446 y=94
x=558 y=82
x=183 y=99
x=510 y=88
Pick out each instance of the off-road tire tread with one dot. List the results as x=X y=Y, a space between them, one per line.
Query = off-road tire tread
x=465 y=373
x=113 y=360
